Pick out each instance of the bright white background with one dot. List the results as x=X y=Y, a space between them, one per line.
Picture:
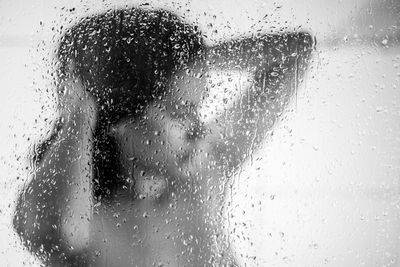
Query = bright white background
x=324 y=190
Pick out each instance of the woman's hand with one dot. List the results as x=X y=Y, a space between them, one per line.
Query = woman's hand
x=74 y=103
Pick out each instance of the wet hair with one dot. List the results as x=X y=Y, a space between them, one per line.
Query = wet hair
x=125 y=59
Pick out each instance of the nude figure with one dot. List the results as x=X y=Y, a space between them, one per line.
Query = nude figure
x=138 y=167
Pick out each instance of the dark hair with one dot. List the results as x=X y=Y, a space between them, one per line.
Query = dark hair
x=125 y=59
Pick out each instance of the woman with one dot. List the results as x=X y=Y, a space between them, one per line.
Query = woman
x=138 y=167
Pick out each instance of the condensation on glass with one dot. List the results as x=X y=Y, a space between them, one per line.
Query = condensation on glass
x=186 y=134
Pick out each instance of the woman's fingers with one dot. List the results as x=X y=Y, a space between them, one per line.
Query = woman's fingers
x=74 y=102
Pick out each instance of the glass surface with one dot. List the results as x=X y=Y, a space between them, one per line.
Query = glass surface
x=244 y=133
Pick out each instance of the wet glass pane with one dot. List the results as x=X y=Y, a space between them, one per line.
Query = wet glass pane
x=222 y=133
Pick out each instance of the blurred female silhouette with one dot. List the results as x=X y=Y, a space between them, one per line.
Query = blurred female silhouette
x=138 y=166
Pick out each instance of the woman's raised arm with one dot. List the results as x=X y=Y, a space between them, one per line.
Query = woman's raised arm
x=54 y=210
x=274 y=65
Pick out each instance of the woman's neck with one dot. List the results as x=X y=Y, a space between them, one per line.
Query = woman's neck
x=184 y=227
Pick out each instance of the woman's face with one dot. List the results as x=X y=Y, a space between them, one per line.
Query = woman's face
x=171 y=143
